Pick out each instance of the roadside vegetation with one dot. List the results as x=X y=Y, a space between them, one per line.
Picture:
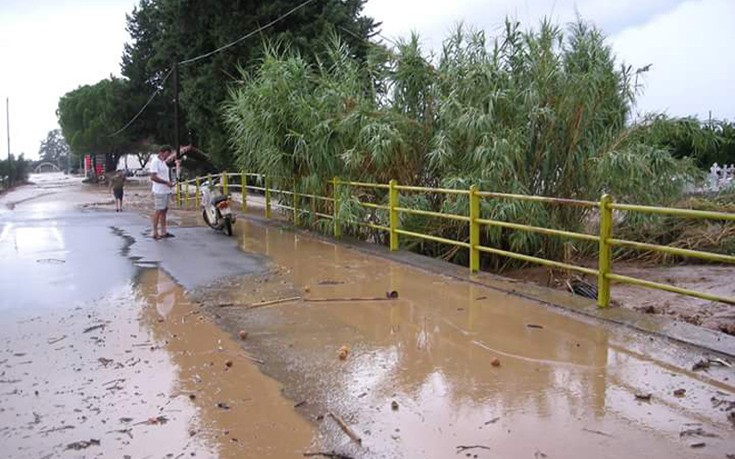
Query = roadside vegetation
x=13 y=171
x=544 y=110
x=541 y=112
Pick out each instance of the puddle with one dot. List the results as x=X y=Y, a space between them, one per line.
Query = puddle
x=564 y=387
x=138 y=372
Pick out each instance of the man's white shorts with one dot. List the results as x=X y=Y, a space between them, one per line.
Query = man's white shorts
x=160 y=201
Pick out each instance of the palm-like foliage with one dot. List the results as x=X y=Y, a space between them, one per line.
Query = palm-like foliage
x=538 y=112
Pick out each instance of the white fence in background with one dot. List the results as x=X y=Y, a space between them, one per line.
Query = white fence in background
x=720 y=177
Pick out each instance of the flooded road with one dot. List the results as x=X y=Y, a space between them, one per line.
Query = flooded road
x=115 y=345
x=419 y=379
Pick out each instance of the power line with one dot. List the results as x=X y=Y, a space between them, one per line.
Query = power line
x=194 y=59
x=248 y=35
x=150 y=99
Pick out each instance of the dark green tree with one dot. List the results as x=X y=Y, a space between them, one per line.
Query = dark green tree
x=168 y=31
x=89 y=115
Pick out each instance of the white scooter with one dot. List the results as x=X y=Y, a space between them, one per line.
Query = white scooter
x=216 y=208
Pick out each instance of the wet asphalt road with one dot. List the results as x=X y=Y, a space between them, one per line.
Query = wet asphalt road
x=53 y=253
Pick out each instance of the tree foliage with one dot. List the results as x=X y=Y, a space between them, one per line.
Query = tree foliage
x=539 y=112
x=13 y=170
x=168 y=31
x=704 y=142
x=89 y=115
x=55 y=150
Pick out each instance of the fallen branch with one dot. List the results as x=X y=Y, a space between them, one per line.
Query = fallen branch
x=374 y=298
x=332 y=455
x=462 y=448
x=262 y=303
x=93 y=327
x=253 y=359
x=272 y=302
x=54 y=341
x=346 y=429
x=55 y=429
x=598 y=432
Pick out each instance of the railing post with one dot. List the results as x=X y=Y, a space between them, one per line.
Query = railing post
x=243 y=181
x=267 y=198
x=224 y=183
x=605 y=262
x=393 y=213
x=196 y=196
x=186 y=195
x=313 y=207
x=177 y=191
x=474 y=230
x=335 y=215
x=295 y=197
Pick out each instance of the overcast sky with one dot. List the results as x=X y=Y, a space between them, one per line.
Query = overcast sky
x=50 y=47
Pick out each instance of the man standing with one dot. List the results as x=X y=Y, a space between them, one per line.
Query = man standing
x=117 y=183
x=161 y=191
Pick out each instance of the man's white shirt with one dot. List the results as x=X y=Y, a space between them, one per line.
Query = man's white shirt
x=159 y=168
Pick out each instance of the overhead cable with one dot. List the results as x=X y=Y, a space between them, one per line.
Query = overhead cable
x=248 y=35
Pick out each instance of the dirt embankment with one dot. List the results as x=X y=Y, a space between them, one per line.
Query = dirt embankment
x=715 y=280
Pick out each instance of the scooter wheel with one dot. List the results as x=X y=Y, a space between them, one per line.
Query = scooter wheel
x=206 y=219
x=228 y=226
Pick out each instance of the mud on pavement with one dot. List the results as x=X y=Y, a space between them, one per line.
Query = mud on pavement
x=149 y=377
x=452 y=369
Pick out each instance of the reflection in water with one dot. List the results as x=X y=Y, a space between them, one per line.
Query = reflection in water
x=558 y=382
x=241 y=413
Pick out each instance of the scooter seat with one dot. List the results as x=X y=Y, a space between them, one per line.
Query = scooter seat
x=218 y=199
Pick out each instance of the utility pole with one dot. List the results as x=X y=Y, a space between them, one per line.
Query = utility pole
x=176 y=107
x=7 y=120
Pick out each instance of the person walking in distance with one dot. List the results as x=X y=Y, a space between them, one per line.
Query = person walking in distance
x=117 y=183
x=161 y=188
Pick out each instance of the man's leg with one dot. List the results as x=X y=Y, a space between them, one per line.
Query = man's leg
x=156 y=219
x=164 y=226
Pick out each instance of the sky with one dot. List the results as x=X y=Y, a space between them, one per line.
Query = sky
x=51 y=47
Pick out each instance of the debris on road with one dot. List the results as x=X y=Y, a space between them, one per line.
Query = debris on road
x=643 y=397
x=331 y=455
x=343 y=352
x=598 y=432
x=243 y=335
x=392 y=294
x=330 y=282
x=94 y=327
x=262 y=303
x=394 y=405
x=56 y=429
x=463 y=448
x=55 y=340
x=345 y=428
x=698 y=432
x=680 y=392
x=495 y=362
x=707 y=362
x=84 y=444
x=346 y=299
x=534 y=326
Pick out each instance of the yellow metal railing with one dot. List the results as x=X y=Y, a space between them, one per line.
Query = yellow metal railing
x=475 y=221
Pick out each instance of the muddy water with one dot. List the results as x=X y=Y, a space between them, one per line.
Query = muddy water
x=564 y=387
x=137 y=373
